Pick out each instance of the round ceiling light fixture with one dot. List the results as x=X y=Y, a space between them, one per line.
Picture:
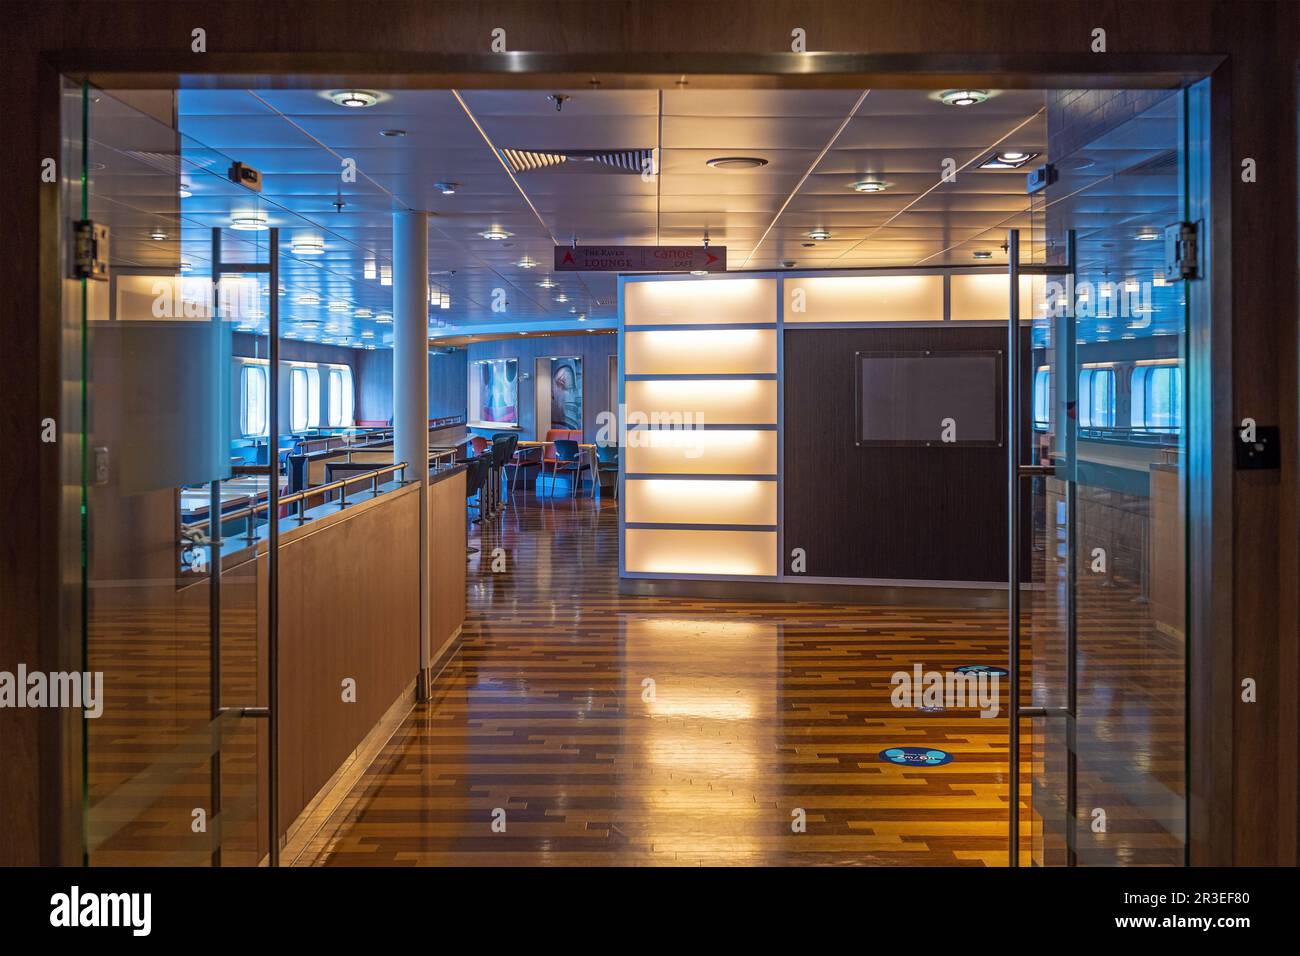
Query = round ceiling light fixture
x=982 y=254
x=819 y=234
x=185 y=190
x=870 y=186
x=527 y=263
x=1147 y=234
x=963 y=97
x=561 y=298
x=447 y=189
x=737 y=162
x=393 y=133
x=496 y=234
x=307 y=247
x=384 y=319
x=158 y=236
x=354 y=99
x=362 y=313
x=249 y=222
x=547 y=283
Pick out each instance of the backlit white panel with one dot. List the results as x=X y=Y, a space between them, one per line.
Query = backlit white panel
x=698 y=452
x=699 y=302
x=864 y=299
x=700 y=351
x=681 y=501
x=720 y=402
x=986 y=298
x=654 y=551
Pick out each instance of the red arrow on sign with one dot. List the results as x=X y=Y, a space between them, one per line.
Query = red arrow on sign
x=568 y=255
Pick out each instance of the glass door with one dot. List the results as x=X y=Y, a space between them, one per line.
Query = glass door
x=171 y=557
x=1101 y=486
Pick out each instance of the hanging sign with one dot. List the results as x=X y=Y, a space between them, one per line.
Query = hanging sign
x=640 y=258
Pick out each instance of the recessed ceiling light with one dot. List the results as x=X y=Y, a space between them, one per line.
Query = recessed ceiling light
x=819 y=234
x=583 y=317
x=1147 y=234
x=339 y=307
x=523 y=333
x=445 y=303
x=307 y=247
x=186 y=266
x=363 y=313
x=737 y=162
x=963 y=97
x=184 y=190
x=249 y=222
x=870 y=186
x=392 y=132
x=384 y=318
x=547 y=283
x=527 y=263
x=561 y=298
x=367 y=334
x=447 y=189
x=354 y=99
x=1012 y=159
x=496 y=233
x=308 y=298
x=982 y=254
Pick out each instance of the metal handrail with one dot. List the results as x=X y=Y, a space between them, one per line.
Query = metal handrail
x=302 y=496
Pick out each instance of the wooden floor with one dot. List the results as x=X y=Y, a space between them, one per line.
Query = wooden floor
x=758 y=711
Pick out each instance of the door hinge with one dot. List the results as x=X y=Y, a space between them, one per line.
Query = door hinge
x=90 y=250
x=1182 y=251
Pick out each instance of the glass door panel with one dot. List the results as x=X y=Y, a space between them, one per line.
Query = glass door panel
x=172 y=611
x=1102 y=630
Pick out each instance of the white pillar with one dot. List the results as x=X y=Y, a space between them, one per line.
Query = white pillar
x=411 y=384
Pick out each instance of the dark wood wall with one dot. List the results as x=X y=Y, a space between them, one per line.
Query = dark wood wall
x=898 y=512
x=1248 y=809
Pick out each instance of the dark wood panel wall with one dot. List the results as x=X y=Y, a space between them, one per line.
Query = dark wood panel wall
x=595 y=350
x=1252 y=816
x=871 y=511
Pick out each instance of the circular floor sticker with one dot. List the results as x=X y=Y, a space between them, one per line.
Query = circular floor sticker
x=980 y=669
x=916 y=756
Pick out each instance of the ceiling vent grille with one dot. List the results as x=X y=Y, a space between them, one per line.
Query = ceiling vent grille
x=627 y=161
x=1158 y=165
x=171 y=163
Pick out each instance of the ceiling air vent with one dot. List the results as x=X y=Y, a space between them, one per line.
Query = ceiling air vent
x=578 y=160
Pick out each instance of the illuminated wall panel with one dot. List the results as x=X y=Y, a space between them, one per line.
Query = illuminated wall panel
x=677 y=501
x=719 y=402
x=655 y=551
x=700 y=351
x=699 y=302
x=864 y=299
x=986 y=298
x=696 y=452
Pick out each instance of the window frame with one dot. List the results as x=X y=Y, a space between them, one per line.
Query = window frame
x=249 y=372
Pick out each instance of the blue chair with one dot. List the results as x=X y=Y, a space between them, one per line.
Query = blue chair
x=606 y=464
x=568 y=457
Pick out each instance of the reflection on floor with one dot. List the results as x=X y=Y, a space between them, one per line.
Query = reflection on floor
x=634 y=730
